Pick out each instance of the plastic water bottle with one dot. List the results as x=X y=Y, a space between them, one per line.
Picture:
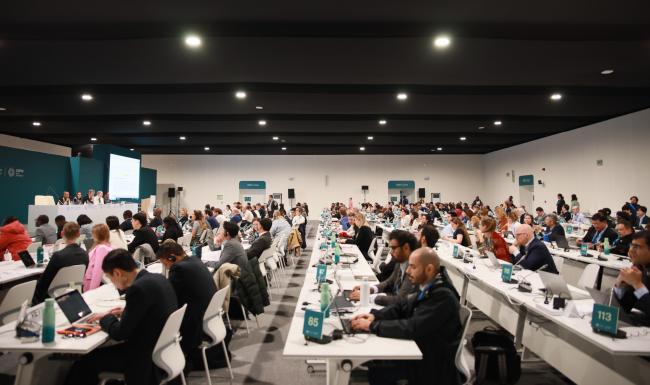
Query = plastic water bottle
x=337 y=254
x=47 y=334
x=39 y=255
x=365 y=293
x=606 y=246
x=325 y=299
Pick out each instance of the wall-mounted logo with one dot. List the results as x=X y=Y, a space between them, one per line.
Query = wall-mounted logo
x=12 y=172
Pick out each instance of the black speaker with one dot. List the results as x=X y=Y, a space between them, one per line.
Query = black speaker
x=171 y=192
x=364 y=188
x=292 y=193
x=421 y=193
x=180 y=188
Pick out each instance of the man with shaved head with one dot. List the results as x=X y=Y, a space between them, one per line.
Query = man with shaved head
x=429 y=317
x=530 y=252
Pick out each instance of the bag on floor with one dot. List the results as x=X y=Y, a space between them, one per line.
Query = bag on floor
x=498 y=338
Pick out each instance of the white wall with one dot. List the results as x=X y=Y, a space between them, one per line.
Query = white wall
x=570 y=162
x=33 y=145
x=203 y=177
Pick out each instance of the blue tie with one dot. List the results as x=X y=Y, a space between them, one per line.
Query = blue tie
x=595 y=238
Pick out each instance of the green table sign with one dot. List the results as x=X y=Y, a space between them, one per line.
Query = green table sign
x=569 y=229
x=605 y=318
x=583 y=250
x=506 y=272
x=454 y=253
x=321 y=273
x=313 y=325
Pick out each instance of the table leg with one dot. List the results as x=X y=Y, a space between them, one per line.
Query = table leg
x=599 y=278
x=463 y=294
x=338 y=370
x=521 y=322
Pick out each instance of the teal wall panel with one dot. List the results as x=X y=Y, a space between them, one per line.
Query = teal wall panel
x=148 y=180
x=87 y=174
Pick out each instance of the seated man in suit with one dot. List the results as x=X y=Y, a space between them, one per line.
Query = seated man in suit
x=621 y=245
x=597 y=233
x=397 y=286
x=530 y=252
x=263 y=241
x=195 y=287
x=127 y=224
x=150 y=299
x=553 y=230
x=231 y=249
x=429 y=317
x=90 y=198
x=65 y=199
x=45 y=232
x=641 y=217
x=633 y=283
x=142 y=233
x=72 y=254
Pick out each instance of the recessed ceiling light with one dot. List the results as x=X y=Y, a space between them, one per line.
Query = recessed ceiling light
x=261 y=122
x=382 y=122
x=259 y=107
x=193 y=41
x=36 y=124
x=402 y=96
x=556 y=96
x=439 y=148
x=497 y=122
x=481 y=127
x=86 y=97
x=206 y=148
x=275 y=138
x=3 y=109
x=132 y=149
x=433 y=149
x=182 y=138
x=93 y=139
x=146 y=122
x=442 y=41
x=463 y=138
x=284 y=149
x=371 y=138
x=607 y=72
x=362 y=149
x=240 y=95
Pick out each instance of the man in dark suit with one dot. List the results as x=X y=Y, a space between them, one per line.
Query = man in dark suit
x=150 y=299
x=397 y=286
x=271 y=206
x=429 y=317
x=263 y=241
x=531 y=253
x=72 y=254
x=89 y=199
x=195 y=287
x=621 y=245
x=231 y=249
x=127 y=224
x=553 y=229
x=142 y=233
x=641 y=218
x=597 y=233
x=633 y=283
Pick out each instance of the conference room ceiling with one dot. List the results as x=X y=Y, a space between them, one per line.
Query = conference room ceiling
x=324 y=73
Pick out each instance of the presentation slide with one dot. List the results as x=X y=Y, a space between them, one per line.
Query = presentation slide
x=124 y=177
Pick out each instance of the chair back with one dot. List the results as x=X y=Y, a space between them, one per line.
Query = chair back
x=61 y=282
x=34 y=246
x=559 y=263
x=43 y=200
x=144 y=254
x=461 y=365
x=589 y=276
x=14 y=299
x=185 y=239
x=167 y=354
x=128 y=232
x=266 y=254
x=204 y=236
x=213 y=324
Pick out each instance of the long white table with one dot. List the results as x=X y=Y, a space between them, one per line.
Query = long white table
x=12 y=271
x=565 y=342
x=343 y=355
x=97 y=213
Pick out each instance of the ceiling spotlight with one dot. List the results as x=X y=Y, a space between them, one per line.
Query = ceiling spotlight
x=371 y=138
x=480 y=127
x=607 y=72
x=402 y=96
x=362 y=149
x=259 y=107
x=284 y=149
x=556 y=96
x=36 y=124
x=497 y=122
x=433 y=149
x=132 y=149
x=463 y=138
x=206 y=148
x=86 y=97
x=439 y=148
x=442 y=41
x=382 y=122
x=276 y=138
x=261 y=122
x=3 y=109
x=240 y=95
x=146 y=122
x=182 y=138
x=193 y=41
x=93 y=139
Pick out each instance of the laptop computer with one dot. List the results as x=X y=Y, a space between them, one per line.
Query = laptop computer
x=346 y=323
x=74 y=307
x=27 y=259
x=493 y=259
x=556 y=285
x=562 y=242
x=609 y=299
x=342 y=300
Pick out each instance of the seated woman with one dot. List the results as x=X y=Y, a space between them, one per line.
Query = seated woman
x=172 y=229
x=489 y=239
x=13 y=238
x=362 y=235
x=460 y=235
x=199 y=225
x=85 y=225
x=429 y=236
x=101 y=247
x=117 y=240
x=513 y=221
x=279 y=226
x=344 y=221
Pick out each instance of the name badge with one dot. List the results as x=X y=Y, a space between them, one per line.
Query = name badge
x=321 y=273
x=605 y=318
x=583 y=250
x=313 y=325
x=506 y=272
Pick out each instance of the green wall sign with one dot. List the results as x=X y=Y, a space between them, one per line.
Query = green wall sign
x=526 y=180
x=401 y=184
x=252 y=185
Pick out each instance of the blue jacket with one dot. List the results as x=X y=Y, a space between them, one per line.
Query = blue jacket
x=536 y=255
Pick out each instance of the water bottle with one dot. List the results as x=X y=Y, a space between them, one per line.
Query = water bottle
x=365 y=293
x=337 y=254
x=39 y=255
x=325 y=299
x=606 y=246
x=47 y=334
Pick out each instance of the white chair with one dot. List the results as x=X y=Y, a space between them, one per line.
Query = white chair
x=559 y=263
x=43 y=200
x=128 y=232
x=204 y=236
x=214 y=328
x=185 y=239
x=265 y=274
x=144 y=254
x=64 y=278
x=371 y=249
x=167 y=354
x=14 y=299
x=34 y=246
x=589 y=276
x=461 y=364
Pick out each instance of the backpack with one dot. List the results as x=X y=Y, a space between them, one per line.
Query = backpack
x=502 y=339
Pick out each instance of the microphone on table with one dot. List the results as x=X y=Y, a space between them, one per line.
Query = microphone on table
x=525 y=286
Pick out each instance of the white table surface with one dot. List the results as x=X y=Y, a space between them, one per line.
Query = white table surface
x=11 y=271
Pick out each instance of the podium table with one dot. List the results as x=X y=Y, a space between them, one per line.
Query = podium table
x=97 y=213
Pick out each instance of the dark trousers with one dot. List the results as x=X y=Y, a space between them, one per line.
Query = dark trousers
x=87 y=369
x=384 y=372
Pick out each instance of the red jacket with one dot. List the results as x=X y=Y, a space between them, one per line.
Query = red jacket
x=14 y=238
x=500 y=247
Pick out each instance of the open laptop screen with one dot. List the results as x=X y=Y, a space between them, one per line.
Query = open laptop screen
x=73 y=306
